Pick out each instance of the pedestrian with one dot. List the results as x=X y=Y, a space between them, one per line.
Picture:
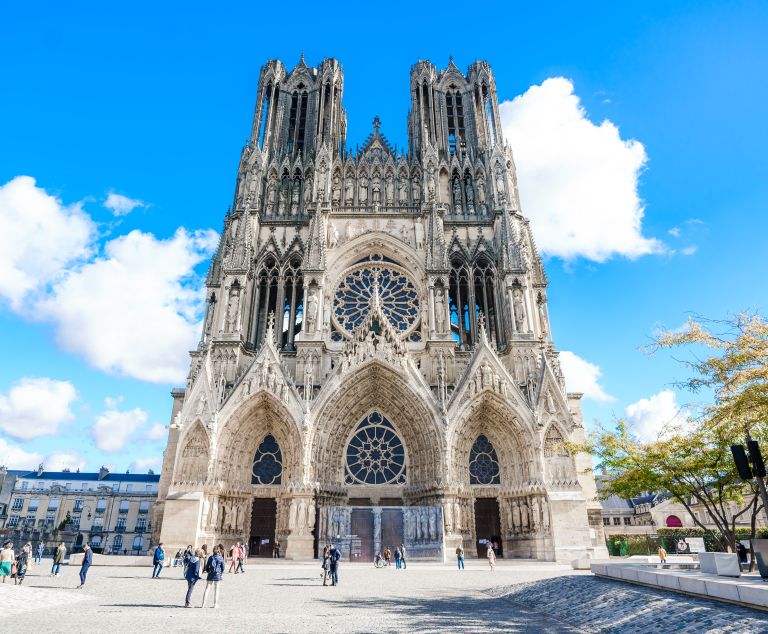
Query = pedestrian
x=215 y=569
x=204 y=557
x=741 y=551
x=276 y=549
x=334 y=555
x=240 y=557
x=58 y=559
x=387 y=555
x=87 y=561
x=177 y=559
x=326 y=563
x=186 y=556
x=232 y=559
x=460 y=556
x=192 y=574
x=402 y=555
x=28 y=549
x=39 y=552
x=397 y=558
x=157 y=561
x=7 y=559
x=491 y=554
x=22 y=561
x=662 y=555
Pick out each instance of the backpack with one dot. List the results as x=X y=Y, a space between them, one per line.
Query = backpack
x=459 y=552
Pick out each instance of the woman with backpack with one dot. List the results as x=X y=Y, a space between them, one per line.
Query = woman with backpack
x=192 y=574
x=215 y=569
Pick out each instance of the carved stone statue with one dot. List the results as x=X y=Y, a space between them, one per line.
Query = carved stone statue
x=333 y=235
x=440 y=310
x=376 y=189
x=457 y=203
x=336 y=190
x=312 y=306
x=295 y=191
x=419 y=234
x=416 y=188
x=349 y=191
x=292 y=516
x=362 y=192
x=470 y=195
x=232 y=317
x=519 y=310
x=389 y=190
x=402 y=190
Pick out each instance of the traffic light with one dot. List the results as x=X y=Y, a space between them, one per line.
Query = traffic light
x=756 y=458
x=742 y=463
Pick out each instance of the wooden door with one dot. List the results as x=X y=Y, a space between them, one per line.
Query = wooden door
x=487 y=524
x=362 y=530
x=263 y=523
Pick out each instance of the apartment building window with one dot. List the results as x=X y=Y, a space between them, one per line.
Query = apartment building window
x=98 y=523
x=30 y=521
x=115 y=486
x=124 y=504
x=101 y=505
x=53 y=504
x=50 y=518
x=144 y=506
x=117 y=543
x=129 y=488
x=34 y=503
x=68 y=486
x=120 y=524
x=84 y=486
x=141 y=524
x=13 y=520
x=78 y=506
x=606 y=521
x=148 y=488
x=18 y=504
x=24 y=485
x=137 y=542
x=76 y=522
x=616 y=521
x=627 y=521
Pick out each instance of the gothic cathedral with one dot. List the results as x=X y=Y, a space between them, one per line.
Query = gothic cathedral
x=376 y=366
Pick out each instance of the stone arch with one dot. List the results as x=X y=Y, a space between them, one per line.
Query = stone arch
x=242 y=433
x=559 y=465
x=192 y=463
x=346 y=402
x=494 y=418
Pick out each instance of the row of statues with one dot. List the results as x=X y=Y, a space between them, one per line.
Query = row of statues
x=224 y=514
x=527 y=515
x=301 y=517
x=421 y=524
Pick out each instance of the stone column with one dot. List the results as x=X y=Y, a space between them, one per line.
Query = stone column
x=432 y=324
x=376 y=529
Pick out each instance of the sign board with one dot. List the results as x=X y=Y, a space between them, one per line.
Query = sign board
x=695 y=544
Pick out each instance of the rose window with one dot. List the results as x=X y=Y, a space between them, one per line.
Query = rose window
x=483 y=462
x=397 y=296
x=267 y=463
x=375 y=454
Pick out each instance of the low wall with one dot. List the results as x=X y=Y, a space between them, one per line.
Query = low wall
x=115 y=560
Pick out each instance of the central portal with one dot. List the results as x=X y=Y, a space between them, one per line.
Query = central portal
x=263 y=523
x=487 y=525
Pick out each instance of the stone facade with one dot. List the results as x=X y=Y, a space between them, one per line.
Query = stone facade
x=377 y=334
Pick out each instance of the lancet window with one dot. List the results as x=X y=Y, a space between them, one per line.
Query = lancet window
x=287 y=284
x=472 y=290
x=297 y=120
x=455 y=115
x=267 y=463
x=483 y=462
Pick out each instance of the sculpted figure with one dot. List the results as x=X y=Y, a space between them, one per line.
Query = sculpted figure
x=430 y=188
x=333 y=235
x=416 y=187
x=271 y=195
x=457 y=203
x=542 y=319
x=295 y=190
x=301 y=517
x=519 y=309
x=419 y=234
x=516 y=516
x=481 y=191
x=402 y=191
x=457 y=516
x=448 y=517
x=271 y=379
x=433 y=524
x=470 y=195
x=376 y=189
x=389 y=190
x=362 y=193
x=349 y=191
x=336 y=190
x=233 y=308
x=201 y=404
x=312 y=306
x=500 y=183
x=440 y=311
x=283 y=197
x=311 y=515
x=292 y=516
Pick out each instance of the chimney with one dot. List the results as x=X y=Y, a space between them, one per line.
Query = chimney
x=103 y=473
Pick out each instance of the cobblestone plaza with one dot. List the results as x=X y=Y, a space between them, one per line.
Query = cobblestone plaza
x=289 y=597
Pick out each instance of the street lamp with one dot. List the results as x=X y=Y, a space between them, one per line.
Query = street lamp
x=749 y=465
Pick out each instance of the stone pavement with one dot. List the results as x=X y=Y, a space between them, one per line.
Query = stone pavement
x=289 y=597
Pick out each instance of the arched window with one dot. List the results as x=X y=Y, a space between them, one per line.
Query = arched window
x=375 y=454
x=292 y=119
x=472 y=290
x=267 y=463
x=293 y=306
x=483 y=462
x=491 y=121
x=485 y=295
x=280 y=292
x=554 y=443
x=673 y=521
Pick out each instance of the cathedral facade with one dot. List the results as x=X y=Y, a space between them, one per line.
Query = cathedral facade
x=376 y=365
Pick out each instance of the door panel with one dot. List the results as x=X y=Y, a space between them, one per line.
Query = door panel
x=263 y=523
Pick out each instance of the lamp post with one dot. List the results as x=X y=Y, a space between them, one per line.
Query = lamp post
x=750 y=465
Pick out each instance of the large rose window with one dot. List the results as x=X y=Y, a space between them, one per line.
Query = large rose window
x=397 y=296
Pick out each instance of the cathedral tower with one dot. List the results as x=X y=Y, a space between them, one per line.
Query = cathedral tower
x=376 y=362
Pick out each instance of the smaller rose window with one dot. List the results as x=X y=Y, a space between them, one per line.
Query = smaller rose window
x=375 y=454
x=483 y=462
x=267 y=463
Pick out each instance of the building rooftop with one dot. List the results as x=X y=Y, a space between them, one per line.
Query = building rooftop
x=86 y=477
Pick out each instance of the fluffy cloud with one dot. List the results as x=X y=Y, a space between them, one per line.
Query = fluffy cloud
x=14 y=457
x=113 y=428
x=60 y=460
x=122 y=205
x=141 y=465
x=158 y=431
x=39 y=237
x=650 y=418
x=578 y=181
x=583 y=376
x=134 y=310
x=36 y=407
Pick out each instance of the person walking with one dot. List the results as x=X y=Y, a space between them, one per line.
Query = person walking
x=157 y=561
x=58 y=559
x=22 y=561
x=192 y=574
x=7 y=558
x=326 y=564
x=397 y=558
x=186 y=556
x=387 y=555
x=491 y=554
x=402 y=556
x=334 y=556
x=215 y=570
x=39 y=552
x=232 y=559
x=87 y=561
x=240 y=558
x=276 y=549
x=460 y=556
x=662 y=555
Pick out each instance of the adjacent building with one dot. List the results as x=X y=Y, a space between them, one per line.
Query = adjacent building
x=111 y=511
x=376 y=364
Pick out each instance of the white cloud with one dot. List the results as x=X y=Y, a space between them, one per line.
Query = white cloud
x=36 y=407
x=60 y=460
x=583 y=376
x=578 y=181
x=674 y=232
x=14 y=457
x=122 y=205
x=134 y=310
x=689 y=250
x=156 y=432
x=141 y=465
x=39 y=237
x=650 y=418
x=113 y=428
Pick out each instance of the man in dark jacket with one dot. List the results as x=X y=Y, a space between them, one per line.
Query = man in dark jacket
x=214 y=568
x=157 y=561
x=192 y=574
x=87 y=561
x=335 y=555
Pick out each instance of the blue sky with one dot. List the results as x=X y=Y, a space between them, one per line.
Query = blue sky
x=154 y=102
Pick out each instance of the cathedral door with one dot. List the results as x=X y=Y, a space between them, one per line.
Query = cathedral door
x=263 y=523
x=362 y=529
x=391 y=528
x=487 y=525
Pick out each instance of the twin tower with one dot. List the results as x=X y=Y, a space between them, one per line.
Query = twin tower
x=376 y=365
